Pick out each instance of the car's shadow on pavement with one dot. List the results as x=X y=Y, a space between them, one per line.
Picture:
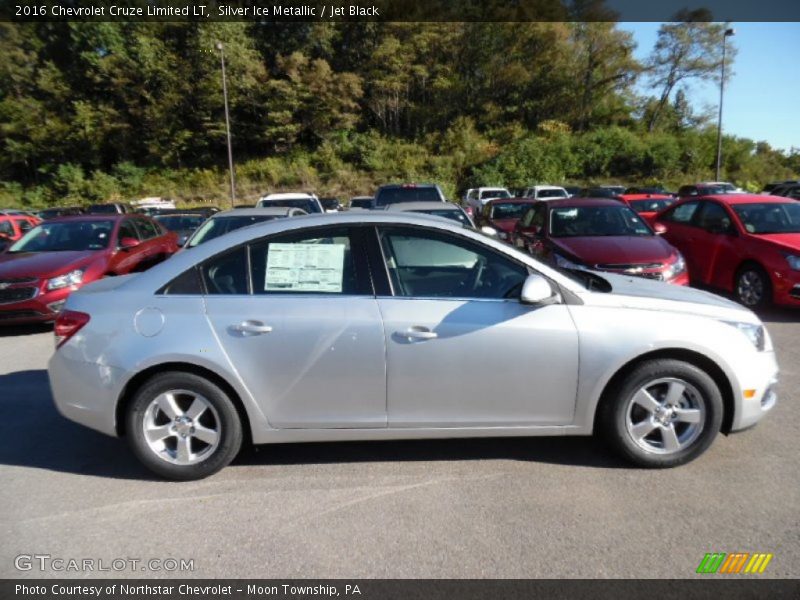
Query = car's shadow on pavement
x=36 y=436
x=570 y=451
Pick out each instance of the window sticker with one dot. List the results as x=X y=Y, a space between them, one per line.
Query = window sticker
x=305 y=268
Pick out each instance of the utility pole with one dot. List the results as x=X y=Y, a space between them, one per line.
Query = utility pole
x=728 y=33
x=227 y=122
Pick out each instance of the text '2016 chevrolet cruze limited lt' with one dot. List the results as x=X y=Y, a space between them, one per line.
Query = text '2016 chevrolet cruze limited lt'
x=392 y=325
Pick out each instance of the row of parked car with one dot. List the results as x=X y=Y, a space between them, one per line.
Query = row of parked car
x=712 y=235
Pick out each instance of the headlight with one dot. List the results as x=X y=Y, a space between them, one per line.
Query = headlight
x=564 y=263
x=755 y=333
x=72 y=278
x=676 y=268
x=502 y=235
x=794 y=262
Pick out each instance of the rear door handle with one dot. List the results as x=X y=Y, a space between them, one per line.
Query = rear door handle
x=252 y=327
x=419 y=333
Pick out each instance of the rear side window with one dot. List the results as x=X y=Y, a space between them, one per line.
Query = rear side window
x=309 y=262
x=226 y=273
x=682 y=213
x=187 y=283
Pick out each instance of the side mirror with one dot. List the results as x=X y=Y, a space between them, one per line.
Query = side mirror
x=127 y=243
x=659 y=228
x=537 y=290
x=490 y=231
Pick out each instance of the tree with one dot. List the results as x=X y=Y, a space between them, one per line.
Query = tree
x=689 y=48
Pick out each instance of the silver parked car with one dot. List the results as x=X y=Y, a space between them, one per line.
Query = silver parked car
x=389 y=325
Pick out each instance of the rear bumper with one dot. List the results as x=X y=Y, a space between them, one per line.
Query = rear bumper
x=86 y=392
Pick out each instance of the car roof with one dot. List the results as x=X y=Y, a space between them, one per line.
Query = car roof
x=511 y=201
x=407 y=185
x=746 y=198
x=252 y=212
x=546 y=187
x=430 y=205
x=573 y=202
x=287 y=196
x=96 y=217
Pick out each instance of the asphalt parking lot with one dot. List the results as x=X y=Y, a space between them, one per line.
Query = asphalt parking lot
x=464 y=509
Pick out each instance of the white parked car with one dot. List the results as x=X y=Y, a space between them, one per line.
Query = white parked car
x=307 y=202
x=546 y=192
x=475 y=198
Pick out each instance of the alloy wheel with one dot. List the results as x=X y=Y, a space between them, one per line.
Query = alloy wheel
x=750 y=288
x=181 y=427
x=665 y=416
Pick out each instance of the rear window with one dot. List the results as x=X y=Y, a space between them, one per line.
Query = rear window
x=650 y=205
x=551 y=194
x=396 y=195
x=305 y=204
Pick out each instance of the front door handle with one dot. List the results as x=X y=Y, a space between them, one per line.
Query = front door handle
x=419 y=333
x=252 y=327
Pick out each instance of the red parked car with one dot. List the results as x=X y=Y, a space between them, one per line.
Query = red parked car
x=598 y=233
x=742 y=243
x=13 y=225
x=39 y=271
x=647 y=205
x=502 y=214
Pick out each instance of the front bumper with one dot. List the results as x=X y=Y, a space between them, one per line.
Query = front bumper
x=758 y=380
x=42 y=308
x=786 y=288
x=86 y=392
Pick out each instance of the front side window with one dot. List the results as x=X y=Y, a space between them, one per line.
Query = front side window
x=127 y=230
x=148 y=229
x=226 y=273
x=427 y=264
x=682 y=213
x=712 y=217
x=310 y=262
x=24 y=225
x=6 y=228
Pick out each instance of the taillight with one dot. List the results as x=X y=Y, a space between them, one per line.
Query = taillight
x=68 y=323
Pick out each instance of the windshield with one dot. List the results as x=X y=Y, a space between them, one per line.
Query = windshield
x=769 y=217
x=213 y=228
x=498 y=193
x=585 y=221
x=551 y=194
x=650 y=205
x=306 y=204
x=361 y=203
x=76 y=236
x=454 y=215
x=329 y=203
x=180 y=222
x=407 y=194
x=510 y=210
x=103 y=208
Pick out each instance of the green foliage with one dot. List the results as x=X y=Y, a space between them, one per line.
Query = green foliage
x=100 y=111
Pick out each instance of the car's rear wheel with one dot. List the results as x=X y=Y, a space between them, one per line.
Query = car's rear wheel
x=752 y=287
x=664 y=413
x=183 y=426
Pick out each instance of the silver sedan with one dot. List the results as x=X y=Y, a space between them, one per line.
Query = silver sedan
x=388 y=325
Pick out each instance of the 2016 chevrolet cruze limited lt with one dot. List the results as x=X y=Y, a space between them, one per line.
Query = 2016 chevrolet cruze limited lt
x=393 y=325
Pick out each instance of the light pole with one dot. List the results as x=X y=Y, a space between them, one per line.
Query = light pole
x=227 y=122
x=728 y=33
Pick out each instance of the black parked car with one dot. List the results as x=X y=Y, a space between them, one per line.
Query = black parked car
x=407 y=192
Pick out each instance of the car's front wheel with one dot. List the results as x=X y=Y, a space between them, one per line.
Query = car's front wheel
x=662 y=414
x=752 y=286
x=183 y=426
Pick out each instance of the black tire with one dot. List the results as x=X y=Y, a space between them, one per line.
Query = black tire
x=618 y=404
x=749 y=279
x=223 y=416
